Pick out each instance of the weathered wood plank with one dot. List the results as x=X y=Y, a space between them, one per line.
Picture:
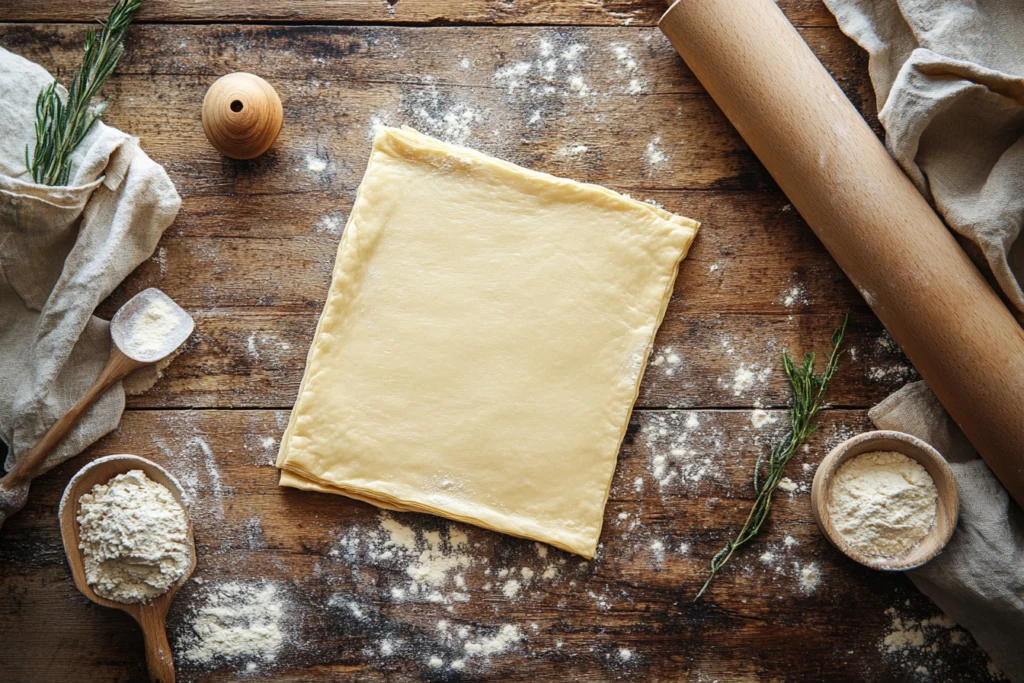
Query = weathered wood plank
x=567 y=101
x=255 y=358
x=579 y=12
x=636 y=595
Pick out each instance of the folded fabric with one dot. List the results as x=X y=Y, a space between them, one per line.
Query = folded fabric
x=949 y=84
x=482 y=342
x=63 y=250
x=978 y=580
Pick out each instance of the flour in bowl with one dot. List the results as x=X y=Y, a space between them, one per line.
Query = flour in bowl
x=133 y=535
x=882 y=503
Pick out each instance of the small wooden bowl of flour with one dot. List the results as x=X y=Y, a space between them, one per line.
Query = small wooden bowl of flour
x=886 y=499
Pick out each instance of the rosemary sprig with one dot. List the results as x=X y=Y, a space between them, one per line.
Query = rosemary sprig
x=61 y=123
x=808 y=398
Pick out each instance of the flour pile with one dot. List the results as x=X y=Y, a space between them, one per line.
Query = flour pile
x=882 y=503
x=134 y=538
x=150 y=329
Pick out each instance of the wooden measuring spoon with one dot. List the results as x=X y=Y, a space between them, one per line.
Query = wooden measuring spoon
x=149 y=615
x=126 y=355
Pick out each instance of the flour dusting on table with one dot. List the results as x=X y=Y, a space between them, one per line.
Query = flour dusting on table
x=236 y=621
x=920 y=644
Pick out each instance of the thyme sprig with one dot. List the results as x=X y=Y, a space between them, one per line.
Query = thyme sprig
x=808 y=398
x=62 y=123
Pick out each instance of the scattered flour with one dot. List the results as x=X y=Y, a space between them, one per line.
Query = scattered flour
x=630 y=68
x=678 y=451
x=579 y=86
x=545 y=78
x=655 y=155
x=133 y=535
x=315 y=164
x=506 y=637
x=433 y=562
x=667 y=360
x=896 y=372
x=759 y=418
x=787 y=485
x=432 y=111
x=239 y=621
x=658 y=550
x=810 y=577
x=922 y=643
x=332 y=224
x=511 y=589
x=747 y=377
x=794 y=296
x=571 y=150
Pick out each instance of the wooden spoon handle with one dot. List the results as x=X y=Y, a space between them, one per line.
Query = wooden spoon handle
x=159 y=659
x=14 y=486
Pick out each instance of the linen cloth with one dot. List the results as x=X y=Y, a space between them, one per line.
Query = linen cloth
x=63 y=250
x=947 y=76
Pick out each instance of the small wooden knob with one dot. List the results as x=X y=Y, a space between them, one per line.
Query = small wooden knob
x=242 y=115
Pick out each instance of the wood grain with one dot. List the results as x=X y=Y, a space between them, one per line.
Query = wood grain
x=250 y=256
x=578 y=12
x=625 y=598
x=336 y=82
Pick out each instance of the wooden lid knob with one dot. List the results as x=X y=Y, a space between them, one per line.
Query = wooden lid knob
x=242 y=115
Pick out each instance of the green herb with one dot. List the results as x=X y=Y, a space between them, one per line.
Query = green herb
x=808 y=398
x=61 y=123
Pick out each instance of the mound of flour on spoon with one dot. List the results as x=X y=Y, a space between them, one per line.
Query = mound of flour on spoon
x=134 y=538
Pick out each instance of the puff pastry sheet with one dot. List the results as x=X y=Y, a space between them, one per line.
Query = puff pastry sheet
x=482 y=342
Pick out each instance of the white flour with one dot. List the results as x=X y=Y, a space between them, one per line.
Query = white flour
x=134 y=538
x=332 y=224
x=923 y=644
x=150 y=329
x=655 y=155
x=238 y=621
x=882 y=503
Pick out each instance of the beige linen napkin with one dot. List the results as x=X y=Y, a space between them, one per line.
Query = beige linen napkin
x=978 y=580
x=62 y=251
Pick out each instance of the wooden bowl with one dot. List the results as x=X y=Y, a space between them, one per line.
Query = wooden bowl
x=242 y=115
x=947 y=507
x=149 y=615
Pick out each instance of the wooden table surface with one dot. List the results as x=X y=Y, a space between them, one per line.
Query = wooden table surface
x=250 y=257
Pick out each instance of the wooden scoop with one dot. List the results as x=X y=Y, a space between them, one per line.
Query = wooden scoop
x=150 y=615
x=126 y=355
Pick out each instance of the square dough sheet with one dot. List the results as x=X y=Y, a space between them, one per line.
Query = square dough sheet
x=482 y=343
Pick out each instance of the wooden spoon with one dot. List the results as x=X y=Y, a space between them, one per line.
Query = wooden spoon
x=150 y=615
x=126 y=355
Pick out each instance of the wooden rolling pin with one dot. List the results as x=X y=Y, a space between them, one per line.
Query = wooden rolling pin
x=885 y=236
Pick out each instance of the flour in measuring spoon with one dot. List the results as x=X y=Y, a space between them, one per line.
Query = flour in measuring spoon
x=150 y=329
